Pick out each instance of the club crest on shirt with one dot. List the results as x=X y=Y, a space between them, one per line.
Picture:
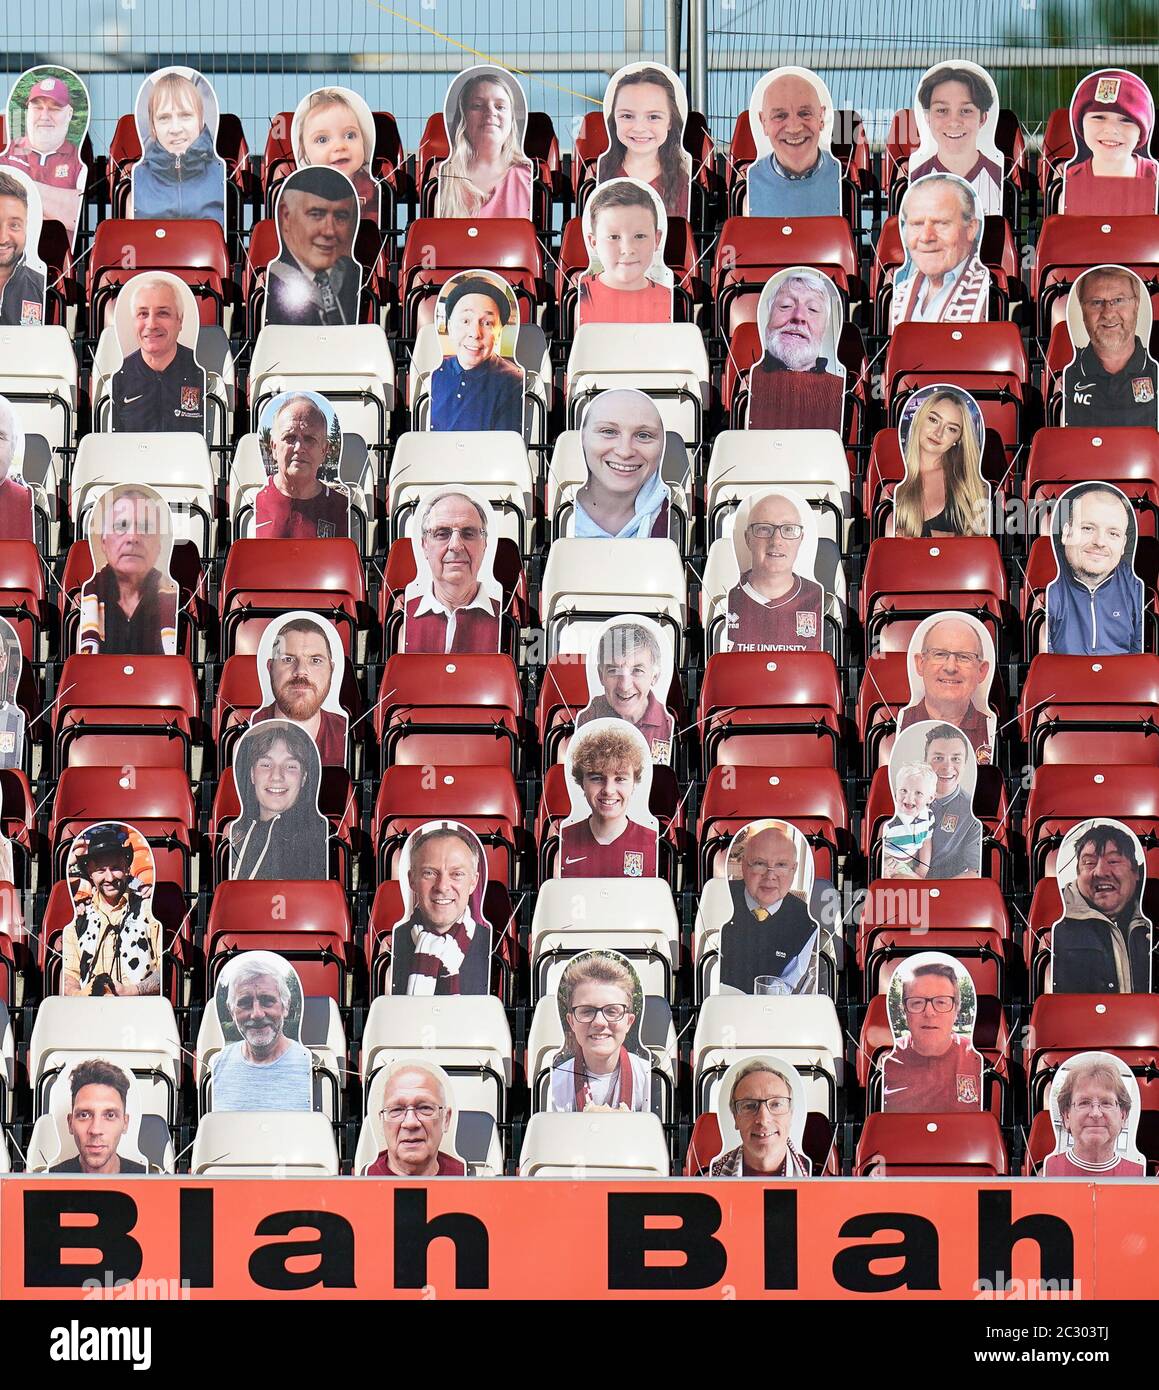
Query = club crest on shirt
x=31 y=312
x=984 y=754
x=1107 y=90
x=633 y=863
x=191 y=398
x=1142 y=390
x=660 y=750
x=967 y=1089
x=807 y=624
x=7 y=741
x=949 y=823
x=326 y=529
x=60 y=172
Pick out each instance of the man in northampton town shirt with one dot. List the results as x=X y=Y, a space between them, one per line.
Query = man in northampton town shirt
x=455 y=613
x=951 y=663
x=628 y=665
x=475 y=388
x=1112 y=380
x=21 y=287
x=931 y=1070
x=296 y=504
x=46 y=154
x=159 y=387
x=956 y=842
x=772 y=608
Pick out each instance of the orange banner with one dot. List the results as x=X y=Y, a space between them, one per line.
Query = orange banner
x=343 y=1238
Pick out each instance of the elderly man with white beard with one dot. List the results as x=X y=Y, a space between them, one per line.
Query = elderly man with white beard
x=792 y=386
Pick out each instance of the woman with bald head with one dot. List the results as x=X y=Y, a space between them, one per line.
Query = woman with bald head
x=625 y=496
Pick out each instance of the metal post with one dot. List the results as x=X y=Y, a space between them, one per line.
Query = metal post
x=698 y=54
x=673 y=22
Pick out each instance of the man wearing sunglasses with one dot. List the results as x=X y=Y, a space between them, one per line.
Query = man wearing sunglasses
x=932 y=1069
x=416 y=1117
x=459 y=609
x=774 y=608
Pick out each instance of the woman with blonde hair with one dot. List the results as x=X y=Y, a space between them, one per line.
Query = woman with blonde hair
x=487 y=173
x=597 y=995
x=943 y=493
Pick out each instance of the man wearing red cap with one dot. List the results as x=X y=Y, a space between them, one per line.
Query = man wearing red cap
x=1112 y=117
x=45 y=153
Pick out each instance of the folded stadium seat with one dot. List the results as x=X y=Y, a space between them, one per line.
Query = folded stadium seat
x=264 y=246
x=193 y=249
x=812 y=462
x=983 y=952
x=62 y=292
x=812 y=798
x=472 y=698
x=567 y=473
x=1070 y=243
x=39 y=375
x=667 y=361
x=485 y=799
x=990 y=807
x=802 y=1029
x=591 y=140
x=118 y=711
x=657 y=1033
x=634 y=916
x=908 y=579
x=467 y=1035
x=139 y=1034
x=1062 y=794
x=388 y=910
x=594 y=1146
x=771 y=709
x=1062 y=1025
x=819 y=1145
x=43 y=473
x=425 y=463
x=931 y=1146
x=263 y=579
x=475 y=1134
x=750 y=250
x=585 y=582
x=902 y=138
x=892 y=907
x=433 y=148
x=886 y=468
x=351 y=366
x=50 y=1139
x=1041 y=569
x=1057 y=149
x=1126 y=456
x=986 y=359
x=1067 y=699
x=438 y=248
x=263 y=1144
x=278 y=159
x=11 y=930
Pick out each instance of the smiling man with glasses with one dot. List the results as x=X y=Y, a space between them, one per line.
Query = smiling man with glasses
x=1112 y=381
x=770 y=932
x=952 y=666
x=774 y=608
x=761 y=1106
x=416 y=1117
x=456 y=612
x=933 y=1068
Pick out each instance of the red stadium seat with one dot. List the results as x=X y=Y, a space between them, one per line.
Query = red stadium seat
x=1126 y=456
x=117 y=711
x=883 y=692
x=771 y=709
x=473 y=698
x=1062 y=794
x=263 y=579
x=930 y=905
x=1064 y=1024
x=929 y=1146
x=1068 y=699
x=22 y=593
x=437 y=248
x=1071 y=243
x=194 y=250
x=908 y=579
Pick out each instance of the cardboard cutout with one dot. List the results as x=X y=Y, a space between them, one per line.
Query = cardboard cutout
x=280 y=833
x=799 y=383
x=478 y=385
x=625 y=228
x=771 y=943
x=943 y=493
x=454 y=603
x=48 y=119
x=22 y=286
x=776 y=605
x=98 y=1105
x=645 y=110
x=1102 y=942
x=300 y=438
x=1095 y=605
x=263 y=1065
x=160 y=385
x=315 y=281
x=443 y=943
x=1112 y=378
x=11 y=721
x=16 y=500
x=113 y=945
x=934 y=1068
x=131 y=603
x=487 y=173
x=414 y=1119
x=610 y=831
x=951 y=665
x=333 y=128
x=761 y=1107
x=1094 y=1108
x=629 y=671
x=942 y=279
x=956 y=106
x=794 y=173
x=180 y=174
x=301 y=665
x=603 y=1064
x=1112 y=115
x=625 y=496
x=933 y=832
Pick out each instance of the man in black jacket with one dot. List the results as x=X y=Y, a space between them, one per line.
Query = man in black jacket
x=441 y=948
x=21 y=287
x=770 y=932
x=160 y=387
x=1102 y=942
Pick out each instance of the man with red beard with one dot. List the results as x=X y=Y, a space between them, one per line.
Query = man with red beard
x=301 y=670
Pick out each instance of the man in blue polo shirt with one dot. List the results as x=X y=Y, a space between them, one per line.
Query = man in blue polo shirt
x=475 y=388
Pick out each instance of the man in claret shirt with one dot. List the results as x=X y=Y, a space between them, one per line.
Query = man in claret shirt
x=774 y=609
x=932 y=1069
x=301 y=673
x=607 y=764
x=628 y=666
x=455 y=613
x=416 y=1118
x=792 y=386
x=295 y=504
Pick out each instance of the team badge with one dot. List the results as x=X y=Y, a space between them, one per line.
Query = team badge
x=733 y=620
x=1107 y=90
x=807 y=624
x=60 y=172
x=967 y=1089
x=191 y=398
x=326 y=529
x=1142 y=389
x=984 y=754
x=31 y=312
x=633 y=863
x=949 y=823
x=660 y=750
x=7 y=742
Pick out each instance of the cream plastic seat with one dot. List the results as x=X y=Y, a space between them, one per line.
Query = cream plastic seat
x=594 y=1146
x=7 y=1063
x=668 y=361
x=812 y=462
x=265 y=1144
x=38 y=374
x=51 y=1142
x=350 y=365
x=476 y=1136
x=635 y=916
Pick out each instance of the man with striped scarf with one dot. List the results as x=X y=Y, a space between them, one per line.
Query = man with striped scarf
x=942 y=231
x=442 y=948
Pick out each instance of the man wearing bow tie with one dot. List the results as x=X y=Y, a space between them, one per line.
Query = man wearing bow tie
x=770 y=931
